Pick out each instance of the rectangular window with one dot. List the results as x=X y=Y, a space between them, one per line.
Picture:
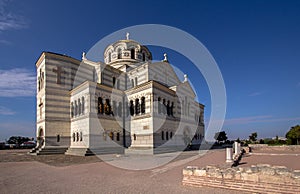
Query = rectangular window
x=114 y=81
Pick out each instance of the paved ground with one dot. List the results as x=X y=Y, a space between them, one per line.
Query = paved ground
x=275 y=158
x=73 y=174
x=52 y=160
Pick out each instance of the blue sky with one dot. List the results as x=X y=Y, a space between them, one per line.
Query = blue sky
x=256 y=45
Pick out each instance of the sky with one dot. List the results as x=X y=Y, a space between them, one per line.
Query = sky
x=255 y=43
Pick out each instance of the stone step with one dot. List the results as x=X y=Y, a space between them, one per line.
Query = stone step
x=79 y=152
x=151 y=151
x=242 y=185
x=170 y=149
x=284 y=185
x=139 y=151
x=235 y=187
x=50 y=150
x=33 y=150
x=94 y=151
x=108 y=150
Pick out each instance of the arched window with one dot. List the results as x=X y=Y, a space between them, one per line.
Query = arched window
x=82 y=105
x=119 y=53
x=131 y=108
x=72 y=109
x=111 y=135
x=114 y=81
x=136 y=81
x=132 y=53
x=120 y=109
x=134 y=137
x=171 y=134
x=107 y=107
x=79 y=107
x=143 y=105
x=162 y=135
x=137 y=106
x=164 y=106
x=58 y=138
x=132 y=82
x=168 y=108
x=159 y=105
x=171 y=109
x=73 y=136
x=80 y=136
x=100 y=105
x=76 y=108
x=118 y=136
x=167 y=135
x=39 y=81
x=109 y=57
x=77 y=136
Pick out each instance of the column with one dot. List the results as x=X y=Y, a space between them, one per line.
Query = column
x=237 y=148
x=229 y=155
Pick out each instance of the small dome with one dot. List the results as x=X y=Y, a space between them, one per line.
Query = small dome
x=126 y=51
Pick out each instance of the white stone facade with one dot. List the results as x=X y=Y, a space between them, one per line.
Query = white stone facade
x=126 y=102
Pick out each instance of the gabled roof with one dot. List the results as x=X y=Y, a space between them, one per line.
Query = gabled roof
x=166 y=65
x=184 y=85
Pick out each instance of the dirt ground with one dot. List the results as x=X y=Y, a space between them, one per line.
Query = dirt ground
x=74 y=174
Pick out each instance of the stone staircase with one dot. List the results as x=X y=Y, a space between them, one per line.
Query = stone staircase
x=94 y=151
x=151 y=151
x=48 y=150
x=79 y=152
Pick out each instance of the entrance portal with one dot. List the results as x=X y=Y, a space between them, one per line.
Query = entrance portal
x=40 y=138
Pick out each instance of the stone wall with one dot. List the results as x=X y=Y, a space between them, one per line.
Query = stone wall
x=265 y=147
x=261 y=178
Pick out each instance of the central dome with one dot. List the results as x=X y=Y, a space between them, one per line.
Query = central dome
x=126 y=51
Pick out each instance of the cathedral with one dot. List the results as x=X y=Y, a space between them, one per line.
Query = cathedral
x=125 y=104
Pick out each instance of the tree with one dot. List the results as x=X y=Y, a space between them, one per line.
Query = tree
x=220 y=136
x=261 y=141
x=293 y=135
x=18 y=140
x=253 y=137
